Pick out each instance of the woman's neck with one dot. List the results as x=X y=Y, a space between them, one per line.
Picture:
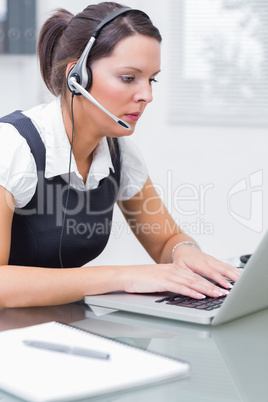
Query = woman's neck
x=84 y=142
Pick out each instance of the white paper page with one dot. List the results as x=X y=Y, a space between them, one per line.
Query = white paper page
x=41 y=375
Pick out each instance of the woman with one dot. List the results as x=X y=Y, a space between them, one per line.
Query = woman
x=59 y=176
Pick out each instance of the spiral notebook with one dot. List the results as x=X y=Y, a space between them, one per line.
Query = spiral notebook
x=42 y=375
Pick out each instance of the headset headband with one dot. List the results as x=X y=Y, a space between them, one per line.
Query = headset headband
x=110 y=17
x=79 y=72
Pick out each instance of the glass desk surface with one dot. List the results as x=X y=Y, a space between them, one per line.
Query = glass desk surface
x=228 y=363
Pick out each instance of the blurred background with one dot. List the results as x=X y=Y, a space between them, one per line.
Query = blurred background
x=205 y=135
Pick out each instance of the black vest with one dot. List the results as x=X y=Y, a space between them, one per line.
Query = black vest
x=37 y=228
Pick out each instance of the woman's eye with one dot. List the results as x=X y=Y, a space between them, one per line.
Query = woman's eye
x=127 y=78
x=152 y=80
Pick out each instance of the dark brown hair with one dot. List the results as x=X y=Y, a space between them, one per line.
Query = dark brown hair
x=64 y=36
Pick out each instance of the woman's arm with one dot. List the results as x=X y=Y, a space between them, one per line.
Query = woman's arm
x=31 y=286
x=151 y=223
x=159 y=234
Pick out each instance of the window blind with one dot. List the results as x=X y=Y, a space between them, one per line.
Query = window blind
x=218 y=62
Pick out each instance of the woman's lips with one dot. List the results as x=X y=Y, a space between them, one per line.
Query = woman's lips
x=133 y=116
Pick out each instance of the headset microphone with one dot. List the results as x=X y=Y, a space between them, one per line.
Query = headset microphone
x=87 y=95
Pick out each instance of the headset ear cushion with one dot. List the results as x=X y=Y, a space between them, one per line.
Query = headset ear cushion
x=78 y=79
x=89 y=81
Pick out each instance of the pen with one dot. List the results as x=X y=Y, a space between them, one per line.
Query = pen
x=72 y=350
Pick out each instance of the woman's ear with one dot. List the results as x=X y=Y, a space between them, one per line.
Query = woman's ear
x=69 y=67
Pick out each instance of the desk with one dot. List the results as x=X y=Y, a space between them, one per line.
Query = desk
x=228 y=363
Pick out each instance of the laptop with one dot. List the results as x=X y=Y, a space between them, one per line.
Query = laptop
x=248 y=295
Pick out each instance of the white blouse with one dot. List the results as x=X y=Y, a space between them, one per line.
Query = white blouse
x=18 y=173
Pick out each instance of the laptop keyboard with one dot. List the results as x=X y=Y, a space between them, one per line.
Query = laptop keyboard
x=208 y=304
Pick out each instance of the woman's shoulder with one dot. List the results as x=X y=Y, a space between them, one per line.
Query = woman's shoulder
x=9 y=136
x=17 y=165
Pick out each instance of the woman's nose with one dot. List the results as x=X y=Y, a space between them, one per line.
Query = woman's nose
x=144 y=94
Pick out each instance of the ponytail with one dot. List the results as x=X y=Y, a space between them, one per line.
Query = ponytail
x=48 y=48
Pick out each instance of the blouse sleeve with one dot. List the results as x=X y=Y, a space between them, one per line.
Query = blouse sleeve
x=133 y=169
x=17 y=165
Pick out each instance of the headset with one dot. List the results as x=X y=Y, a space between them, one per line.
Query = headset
x=79 y=79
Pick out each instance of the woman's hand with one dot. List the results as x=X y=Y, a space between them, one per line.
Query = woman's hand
x=203 y=264
x=183 y=275
x=191 y=258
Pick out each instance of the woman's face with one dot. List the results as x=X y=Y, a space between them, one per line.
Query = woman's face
x=122 y=83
